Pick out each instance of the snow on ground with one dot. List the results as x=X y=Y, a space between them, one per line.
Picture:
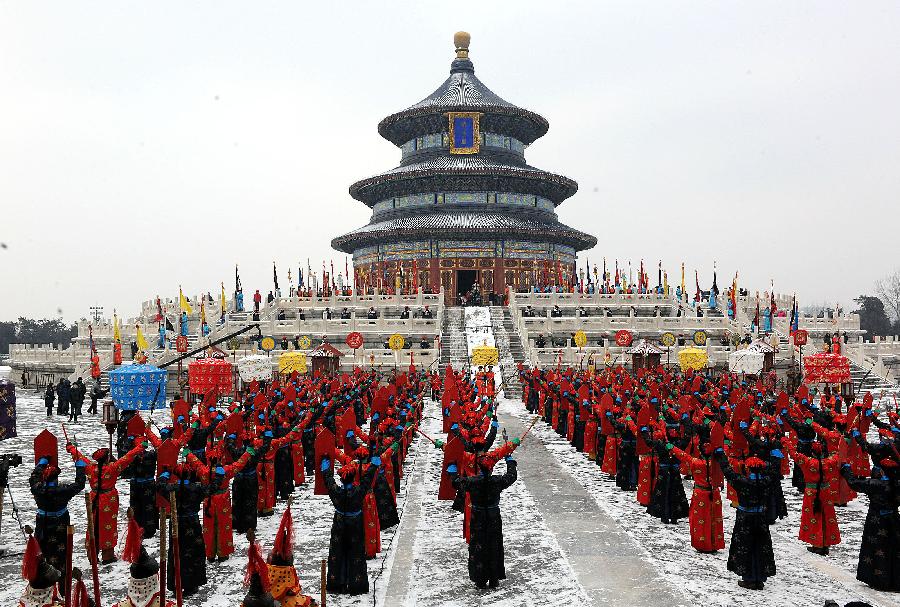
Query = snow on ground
x=312 y=522
x=803 y=579
x=425 y=558
x=538 y=573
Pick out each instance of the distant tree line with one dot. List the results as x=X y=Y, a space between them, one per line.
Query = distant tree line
x=33 y=331
x=879 y=314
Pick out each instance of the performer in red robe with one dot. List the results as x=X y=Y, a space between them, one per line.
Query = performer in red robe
x=102 y=475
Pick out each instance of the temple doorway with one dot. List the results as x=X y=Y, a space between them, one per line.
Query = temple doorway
x=464 y=281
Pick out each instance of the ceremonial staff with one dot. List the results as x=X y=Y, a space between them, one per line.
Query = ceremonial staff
x=176 y=556
x=92 y=548
x=162 y=556
x=70 y=531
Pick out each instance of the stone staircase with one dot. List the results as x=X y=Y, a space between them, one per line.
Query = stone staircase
x=454 y=350
x=511 y=351
x=866 y=381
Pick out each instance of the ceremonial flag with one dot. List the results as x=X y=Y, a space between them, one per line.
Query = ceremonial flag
x=734 y=291
x=169 y=325
x=665 y=284
x=347 y=269
x=237 y=279
x=415 y=278
x=659 y=273
x=756 y=318
x=300 y=284
x=773 y=307
x=159 y=313
x=697 y=296
x=91 y=340
x=683 y=288
x=275 y=275
x=202 y=309
x=795 y=320
x=141 y=341
x=117 y=336
x=184 y=303
x=222 y=303
x=617 y=273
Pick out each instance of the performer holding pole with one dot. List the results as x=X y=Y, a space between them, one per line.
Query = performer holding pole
x=92 y=549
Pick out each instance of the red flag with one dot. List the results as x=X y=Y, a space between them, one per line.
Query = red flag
x=415 y=272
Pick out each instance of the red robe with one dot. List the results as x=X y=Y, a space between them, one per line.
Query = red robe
x=818 y=522
x=646 y=478
x=104 y=496
x=217 y=507
x=705 y=517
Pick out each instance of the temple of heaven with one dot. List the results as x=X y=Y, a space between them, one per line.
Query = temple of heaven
x=463 y=207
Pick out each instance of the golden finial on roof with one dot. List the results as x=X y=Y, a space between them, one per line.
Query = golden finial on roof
x=461 y=41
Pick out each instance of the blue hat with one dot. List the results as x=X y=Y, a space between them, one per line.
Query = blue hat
x=220 y=470
x=776 y=453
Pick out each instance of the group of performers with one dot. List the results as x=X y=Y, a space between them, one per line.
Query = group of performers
x=232 y=465
x=349 y=434
x=650 y=429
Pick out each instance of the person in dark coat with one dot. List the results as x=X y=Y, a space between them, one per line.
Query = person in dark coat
x=750 y=554
x=52 y=500
x=347 y=550
x=49 y=397
x=486 y=566
x=62 y=396
x=245 y=484
x=189 y=496
x=668 y=501
x=142 y=490
x=76 y=399
x=879 y=552
x=627 y=460
x=97 y=392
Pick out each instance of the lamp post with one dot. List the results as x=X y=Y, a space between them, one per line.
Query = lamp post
x=110 y=419
x=96 y=313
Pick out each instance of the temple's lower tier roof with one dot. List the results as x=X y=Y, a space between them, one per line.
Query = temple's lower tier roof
x=464 y=225
x=440 y=172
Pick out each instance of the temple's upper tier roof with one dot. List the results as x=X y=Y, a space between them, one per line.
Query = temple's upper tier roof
x=463 y=92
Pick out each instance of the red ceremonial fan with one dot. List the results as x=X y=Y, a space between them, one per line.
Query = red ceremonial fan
x=137 y=427
x=454 y=453
x=716 y=436
x=46 y=445
x=325 y=447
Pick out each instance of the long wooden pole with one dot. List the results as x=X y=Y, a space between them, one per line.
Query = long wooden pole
x=322 y=589
x=67 y=580
x=92 y=549
x=176 y=552
x=162 y=556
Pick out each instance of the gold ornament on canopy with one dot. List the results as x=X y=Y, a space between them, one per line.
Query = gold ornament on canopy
x=692 y=358
x=304 y=342
x=396 y=342
x=292 y=361
x=485 y=355
x=580 y=338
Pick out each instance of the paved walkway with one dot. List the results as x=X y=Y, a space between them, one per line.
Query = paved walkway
x=608 y=563
x=604 y=565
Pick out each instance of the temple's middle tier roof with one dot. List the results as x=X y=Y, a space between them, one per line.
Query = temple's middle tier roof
x=464 y=174
x=461 y=224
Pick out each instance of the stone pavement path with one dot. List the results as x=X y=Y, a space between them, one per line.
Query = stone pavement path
x=560 y=547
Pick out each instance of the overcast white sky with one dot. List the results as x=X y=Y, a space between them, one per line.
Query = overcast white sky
x=147 y=144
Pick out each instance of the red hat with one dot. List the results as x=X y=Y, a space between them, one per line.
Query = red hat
x=100 y=454
x=754 y=462
x=133 y=538
x=31 y=559
x=888 y=463
x=284 y=539
x=348 y=471
x=256 y=565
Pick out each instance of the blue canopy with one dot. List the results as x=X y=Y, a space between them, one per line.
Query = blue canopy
x=138 y=387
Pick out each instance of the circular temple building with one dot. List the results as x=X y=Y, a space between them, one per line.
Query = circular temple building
x=463 y=207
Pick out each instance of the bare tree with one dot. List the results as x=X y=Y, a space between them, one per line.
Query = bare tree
x=888 y=291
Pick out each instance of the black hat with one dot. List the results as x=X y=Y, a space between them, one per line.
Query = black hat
x=146 y=566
